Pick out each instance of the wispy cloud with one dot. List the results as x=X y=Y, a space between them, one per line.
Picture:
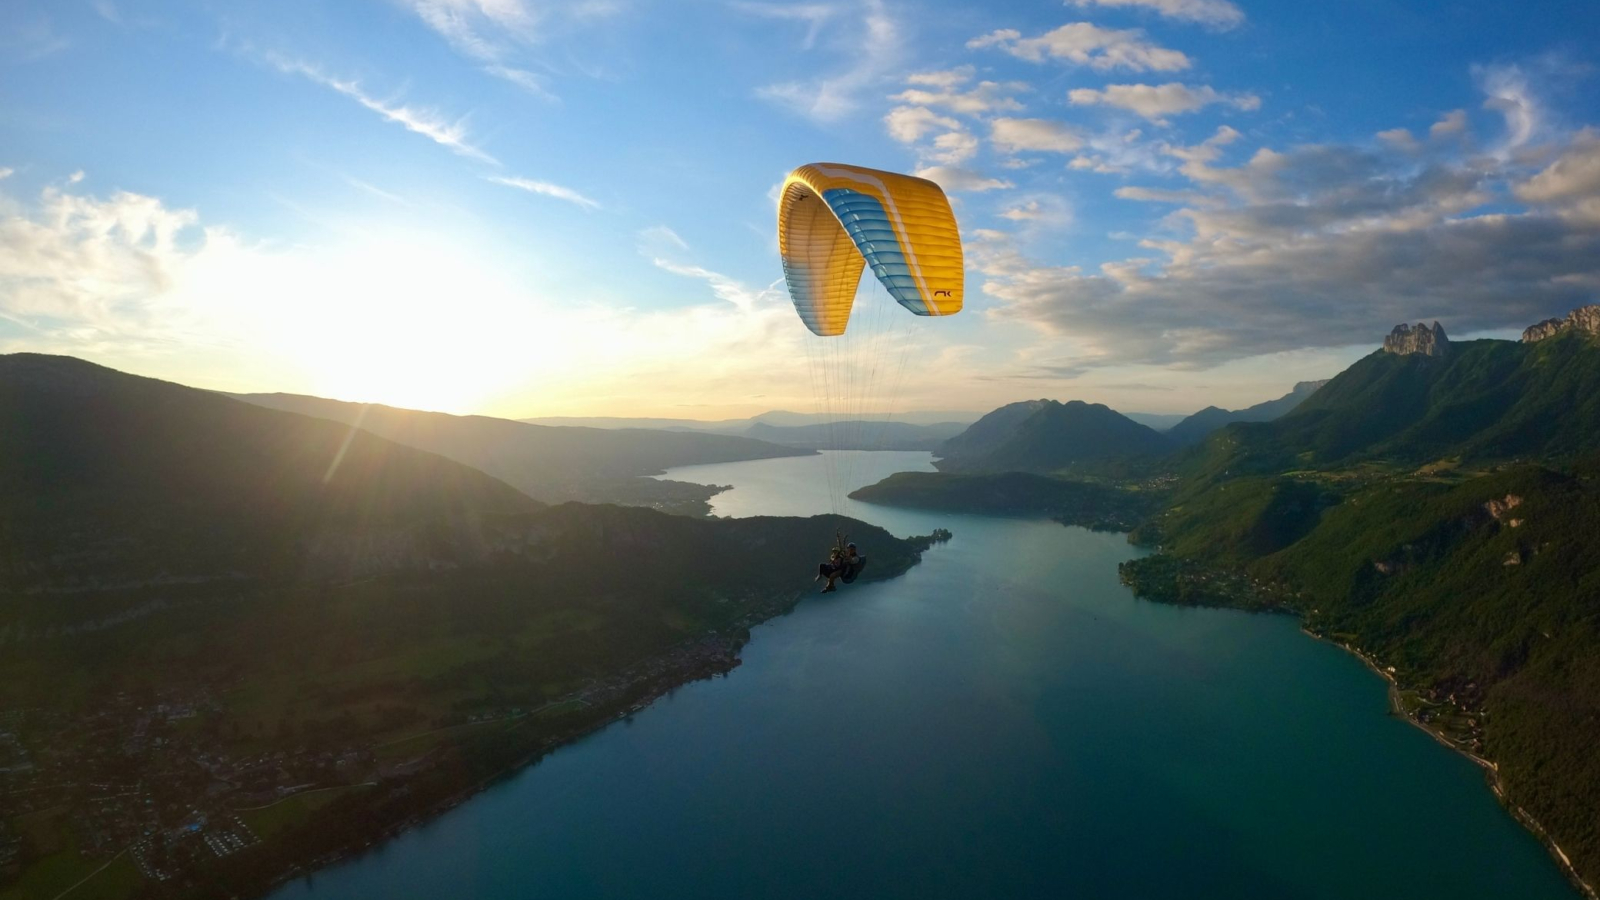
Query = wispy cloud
x=1219 y=14
x=741 y=295
x=812 y=15
x=374 y=190
x=27 y=35
x=955 y=178
x=1509 y=94
x=501 y=35
x=1157 y=101
x=1087 y=44
x=418 y=120
x=660 y=236
x=547 y=189
x=872 y=50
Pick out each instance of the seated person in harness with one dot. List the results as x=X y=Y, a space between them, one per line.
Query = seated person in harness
x=844 y=563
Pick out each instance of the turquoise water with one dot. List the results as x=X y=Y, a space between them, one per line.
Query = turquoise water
x=1003 y=721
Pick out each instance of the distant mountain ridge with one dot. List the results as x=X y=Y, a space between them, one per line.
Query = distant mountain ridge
x=777 y=417
x=1049 y=436
x=550 y=463
x=1195 y=428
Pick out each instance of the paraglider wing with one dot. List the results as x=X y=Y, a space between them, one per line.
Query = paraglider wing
x=834 y=219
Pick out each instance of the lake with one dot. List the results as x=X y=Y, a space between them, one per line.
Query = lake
x=1005 y=720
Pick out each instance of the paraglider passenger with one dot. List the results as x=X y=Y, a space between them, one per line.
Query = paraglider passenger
x=831 y=570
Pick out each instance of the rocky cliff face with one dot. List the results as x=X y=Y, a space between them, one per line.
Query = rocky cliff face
x=1418 y=338
x=1584 y=318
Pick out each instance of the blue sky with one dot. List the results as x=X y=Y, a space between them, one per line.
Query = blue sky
x=530 y=208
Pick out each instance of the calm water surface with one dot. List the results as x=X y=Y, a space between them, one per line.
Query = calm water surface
x=1003 y=721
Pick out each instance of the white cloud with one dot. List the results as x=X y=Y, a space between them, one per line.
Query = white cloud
x=1157 y=101
x=983 y=98
x=547 y=189
x=1024 y=212
x=1162 y=195
x=954 y=147
x=1219 y=14
x=873 y=49
x=88 y=262
x=944 y=79
x=426 y=122
x=1015 y=135
x=1400 y=139
x=1271 y=244
x=955 y=178
x=1088 y=162
x=1450 y=124
x=909 y=124
x=1572 y=182
x=6 y=172
x=1086 y=44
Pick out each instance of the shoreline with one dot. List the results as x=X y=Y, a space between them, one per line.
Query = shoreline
x=1490 y=768
x=1248 y=596
x=360 y=845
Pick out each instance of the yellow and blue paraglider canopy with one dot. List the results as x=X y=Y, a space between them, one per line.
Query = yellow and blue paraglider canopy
x=835 y=219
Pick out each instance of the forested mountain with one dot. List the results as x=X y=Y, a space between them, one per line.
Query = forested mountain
x=1483 y=400
x=549 y=463
x=1195 y=428
x=1049 y=436
x=990 y=431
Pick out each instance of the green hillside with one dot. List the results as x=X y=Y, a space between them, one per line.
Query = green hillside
x=1485 y=400
x=1090 y=505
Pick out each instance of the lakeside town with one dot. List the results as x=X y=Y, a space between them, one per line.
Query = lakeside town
x=153 y=782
